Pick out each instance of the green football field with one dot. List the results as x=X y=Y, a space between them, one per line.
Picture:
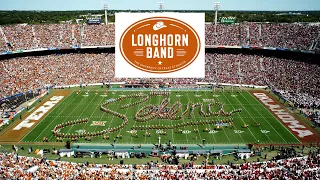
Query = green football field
x=78 y=106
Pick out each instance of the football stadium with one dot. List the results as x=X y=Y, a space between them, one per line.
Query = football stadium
x=66 y=115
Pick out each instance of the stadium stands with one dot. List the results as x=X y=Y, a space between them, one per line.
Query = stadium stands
x=99 y=35
x=294 y=80
x=13 y=166
x=297 y=81
x=291 y=36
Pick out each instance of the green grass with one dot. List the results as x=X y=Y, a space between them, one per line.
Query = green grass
x=78 y=106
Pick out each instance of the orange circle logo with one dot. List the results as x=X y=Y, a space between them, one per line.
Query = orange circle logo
x=160 y=45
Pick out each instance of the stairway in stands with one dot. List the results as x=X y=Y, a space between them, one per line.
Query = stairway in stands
x=3 y=41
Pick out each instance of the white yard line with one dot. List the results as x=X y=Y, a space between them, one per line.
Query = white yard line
x=54 y=118
x=72 y=116
x=104 y=114
x=277 y=119
x=263 y=118
x=66 y=118
x=193 y=116
x=92 y=115
x=253 y=118
x=240 y=117
x=135 y=122
x=84 y=109
x=119 y=132
x=222 y=128
x=145 y=139
x=113 y=116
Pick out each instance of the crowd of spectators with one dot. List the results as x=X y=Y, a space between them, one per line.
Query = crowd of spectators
x=20 y=36
x=30 y=73
x=13 y=166
x=296 y=81
x=285 y=35
x=291 y=36
x=227 y=35
x=99 y=35
x=24 y=36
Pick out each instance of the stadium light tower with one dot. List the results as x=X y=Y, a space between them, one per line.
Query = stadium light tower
x=161 y=6
x=216 y=8
x=105 y=7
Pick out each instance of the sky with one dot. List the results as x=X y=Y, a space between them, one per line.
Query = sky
x=259 y=5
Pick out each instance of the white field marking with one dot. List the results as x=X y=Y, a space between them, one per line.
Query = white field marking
x=93 y=112
x=49 y=114
x=136 y=121
x=132 y=131
x=172 y=130
x=61 y=122
x=84 y=111
x=127 y=117
x=210 y=128
x=264 y=131
x=241 y=118
x=276 y=119
x=238 y=131
x=86 y=95
x=38 y=113
x=264 y=118
x=112 y=117
x=84 y=104
x=252 y=117
x=73 y=116
x=233 y=95
x=186 y=131
x=194 y=118
x=222 y=128
x=183 y=104
x=171 y=90
x=215 y=95
x=208 y=100
x=158 y=97
x=213 y=132
x=104 y=114
x=80 y=131
x=104 y=95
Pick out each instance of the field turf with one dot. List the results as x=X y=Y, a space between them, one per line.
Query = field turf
x=77 y=106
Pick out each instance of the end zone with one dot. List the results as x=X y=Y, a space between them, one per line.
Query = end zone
x=290 y=120
x=20 y=128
